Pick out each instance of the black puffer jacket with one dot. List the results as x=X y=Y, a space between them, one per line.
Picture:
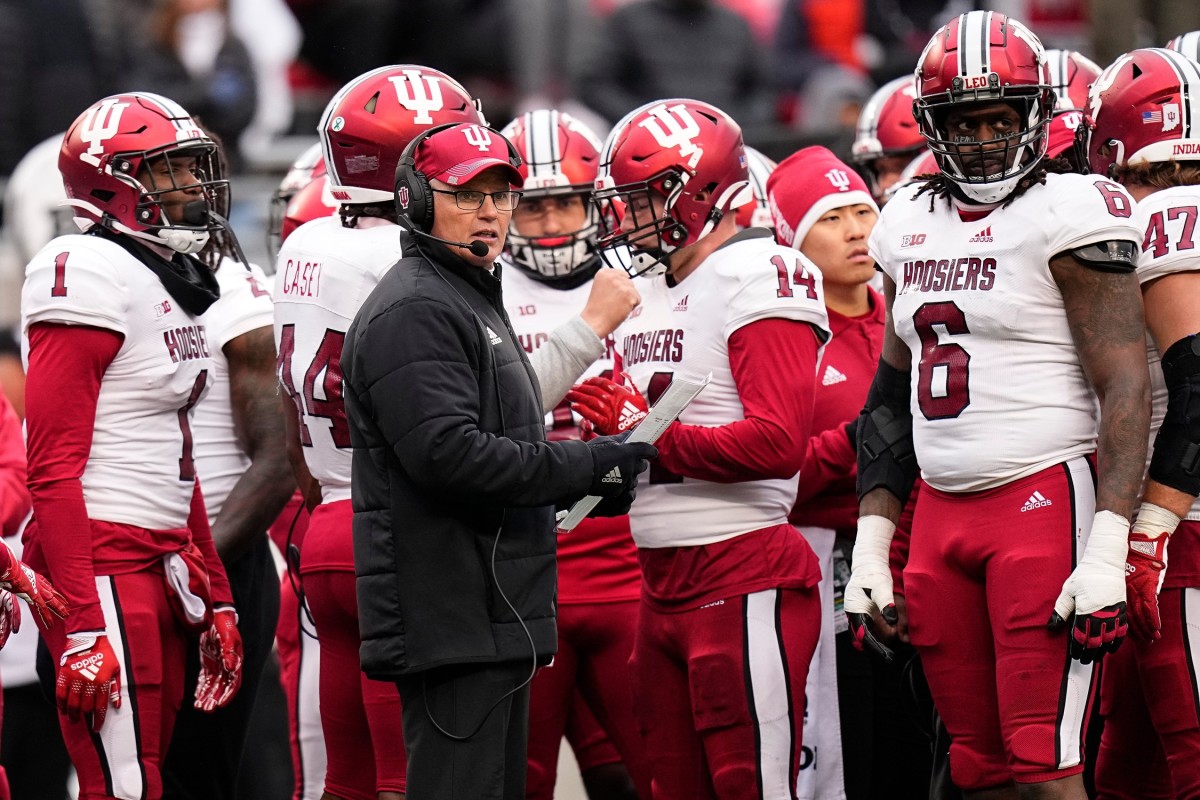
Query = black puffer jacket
x=449 y=452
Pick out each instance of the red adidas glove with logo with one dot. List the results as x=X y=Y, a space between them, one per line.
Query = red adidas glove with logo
x=220 y=661
x=89 y=678
x=1145 y=569
x=10 y=616
x=612 y=408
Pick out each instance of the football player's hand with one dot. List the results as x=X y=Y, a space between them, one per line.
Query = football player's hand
x=34 y=589
x=869 y=590
x=1145 y=568
x=611 y=407
x=610 y=300
x=10 y=616
x=89 y=678
x=1093 y=597
x=220 y=661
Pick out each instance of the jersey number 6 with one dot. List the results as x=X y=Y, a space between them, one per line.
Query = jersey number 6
x=949 y=357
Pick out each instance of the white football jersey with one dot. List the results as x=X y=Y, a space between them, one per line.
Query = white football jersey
x=141 y=468
x=535 y=310
x=997 y=388
x=245 y=305
x=323 y=274
x=1168 y=218
x=685 y=329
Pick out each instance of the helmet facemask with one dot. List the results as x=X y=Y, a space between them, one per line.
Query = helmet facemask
x=988 y=171
x=556 y=255
x=646 y=248
x=184 y=227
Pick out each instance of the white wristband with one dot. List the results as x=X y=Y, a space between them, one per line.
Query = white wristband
x=1153 y=521
x=1108 y=542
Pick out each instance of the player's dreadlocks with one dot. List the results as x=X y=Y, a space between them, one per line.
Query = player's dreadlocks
x=938 y=185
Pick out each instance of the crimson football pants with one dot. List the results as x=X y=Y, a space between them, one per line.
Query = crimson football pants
x=299 y=672
x=594 y=645
x=983 y=573
x=355 y=710
x=719 y=694
x=1150 y=747
x=124 y=759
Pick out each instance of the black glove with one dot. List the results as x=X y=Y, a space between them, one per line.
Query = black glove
x=615 y=506
x=615 y=466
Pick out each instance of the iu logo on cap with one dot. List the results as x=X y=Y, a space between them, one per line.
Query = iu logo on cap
x=839 y=179
x=478 y=137
x=402 y=196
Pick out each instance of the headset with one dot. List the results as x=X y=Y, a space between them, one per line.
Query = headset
x=414 y=195
x=414 y=209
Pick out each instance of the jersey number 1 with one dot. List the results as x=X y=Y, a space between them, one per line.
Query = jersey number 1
x=59 y=289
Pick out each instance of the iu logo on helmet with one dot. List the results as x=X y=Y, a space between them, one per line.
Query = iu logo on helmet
x=419 y=94
x=101 y=122
x=839 y=179
x=674 y=127
x=478 y=137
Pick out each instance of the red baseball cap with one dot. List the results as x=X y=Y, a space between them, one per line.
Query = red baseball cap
x=456 y=155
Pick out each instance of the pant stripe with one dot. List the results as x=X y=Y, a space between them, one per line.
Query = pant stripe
x=793 y=767
x=748 y=671
x=118 y=744
x=767 y=687
x=1188 y=611
x=1076 y=689
x=308 y=712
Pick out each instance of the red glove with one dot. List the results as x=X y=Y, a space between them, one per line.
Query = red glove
x=611 y=407
x=89 y=676
x=35 y=590
x=10 y=616
x=220 y=661
x=1145 y=568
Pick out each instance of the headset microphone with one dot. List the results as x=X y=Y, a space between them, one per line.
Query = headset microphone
x=478 y=247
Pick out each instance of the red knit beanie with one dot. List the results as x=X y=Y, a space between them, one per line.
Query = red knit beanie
x=808 y=184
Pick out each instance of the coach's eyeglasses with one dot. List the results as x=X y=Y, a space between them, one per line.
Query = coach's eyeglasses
x=469 y=200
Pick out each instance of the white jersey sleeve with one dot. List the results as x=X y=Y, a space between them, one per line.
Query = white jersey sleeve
x=148 y=393
x=244 y=306
x=324 y=273
x=1085 y=209
x=763 y=280
x=78 y=280
x=1169 y=219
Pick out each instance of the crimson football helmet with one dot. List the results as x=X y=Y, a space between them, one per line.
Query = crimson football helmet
x=688 y=153
x=887 y=129
x=102 y=158
x=1070 y=75
x=1188 y=44
x=1065 y=139
x=1145 y=107
x=304 y=169
x=371 y=119
x=984 y=57
x=757 y=214
x=560 y=155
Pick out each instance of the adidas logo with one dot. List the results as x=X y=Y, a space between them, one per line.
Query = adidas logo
x=613 y=476
x=629 y=413
x=682 y=304
x=984 y=235
x=492 y=335
x=832 y=376
x=1036 y=500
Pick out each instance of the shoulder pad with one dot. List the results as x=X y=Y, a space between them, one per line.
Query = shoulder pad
x=1111 y=256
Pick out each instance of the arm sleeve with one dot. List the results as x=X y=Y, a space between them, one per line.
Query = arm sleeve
x=571 y=349
x=426 y=400
x=222 y=595
x=66 y=365
x=14 y=495
x=830 y=458
x=772 y=362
